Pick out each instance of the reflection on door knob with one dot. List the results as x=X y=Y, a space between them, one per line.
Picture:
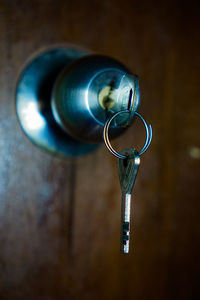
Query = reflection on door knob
x=65 y=95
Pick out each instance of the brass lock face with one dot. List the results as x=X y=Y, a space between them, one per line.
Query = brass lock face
x=107 y=97
x=114 y=95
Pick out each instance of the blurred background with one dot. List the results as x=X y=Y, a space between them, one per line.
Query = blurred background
x=60 y=218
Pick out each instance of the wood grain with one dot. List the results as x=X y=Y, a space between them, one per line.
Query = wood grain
x=60 y=219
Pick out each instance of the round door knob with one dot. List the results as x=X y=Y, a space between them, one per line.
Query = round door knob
x=64 y=96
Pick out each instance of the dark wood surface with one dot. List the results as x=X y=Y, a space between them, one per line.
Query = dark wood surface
x=59 y=219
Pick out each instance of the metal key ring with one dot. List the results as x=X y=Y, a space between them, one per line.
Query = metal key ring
x=148 y=129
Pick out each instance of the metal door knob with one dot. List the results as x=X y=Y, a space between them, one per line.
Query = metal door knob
x=65 y=95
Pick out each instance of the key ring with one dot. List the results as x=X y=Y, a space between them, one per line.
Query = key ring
x=148 y=129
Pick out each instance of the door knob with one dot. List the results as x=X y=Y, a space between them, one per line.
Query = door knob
x=65 y=95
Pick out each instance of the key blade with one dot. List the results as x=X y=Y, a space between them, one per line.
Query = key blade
x=125 y=219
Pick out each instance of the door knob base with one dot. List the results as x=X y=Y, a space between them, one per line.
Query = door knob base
x=33 y=98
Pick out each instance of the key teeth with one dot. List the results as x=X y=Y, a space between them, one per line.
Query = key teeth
x=126 y=226
x=125 y=232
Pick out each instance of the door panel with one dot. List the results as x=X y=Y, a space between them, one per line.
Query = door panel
x=60 y=218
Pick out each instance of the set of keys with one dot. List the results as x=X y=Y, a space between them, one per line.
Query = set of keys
x=128 y=165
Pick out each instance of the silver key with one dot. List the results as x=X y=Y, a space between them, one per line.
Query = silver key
x=127 y=171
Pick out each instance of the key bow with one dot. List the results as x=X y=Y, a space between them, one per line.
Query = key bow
x=127 y=169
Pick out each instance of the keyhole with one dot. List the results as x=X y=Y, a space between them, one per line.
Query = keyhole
x=106 y=98
x=107 y=102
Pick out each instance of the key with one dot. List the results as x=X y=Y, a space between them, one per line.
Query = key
x=127 y=171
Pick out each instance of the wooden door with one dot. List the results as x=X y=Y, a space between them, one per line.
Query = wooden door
x=59 y=218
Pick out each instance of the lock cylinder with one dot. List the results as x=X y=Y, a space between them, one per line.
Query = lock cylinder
x=88 y=92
